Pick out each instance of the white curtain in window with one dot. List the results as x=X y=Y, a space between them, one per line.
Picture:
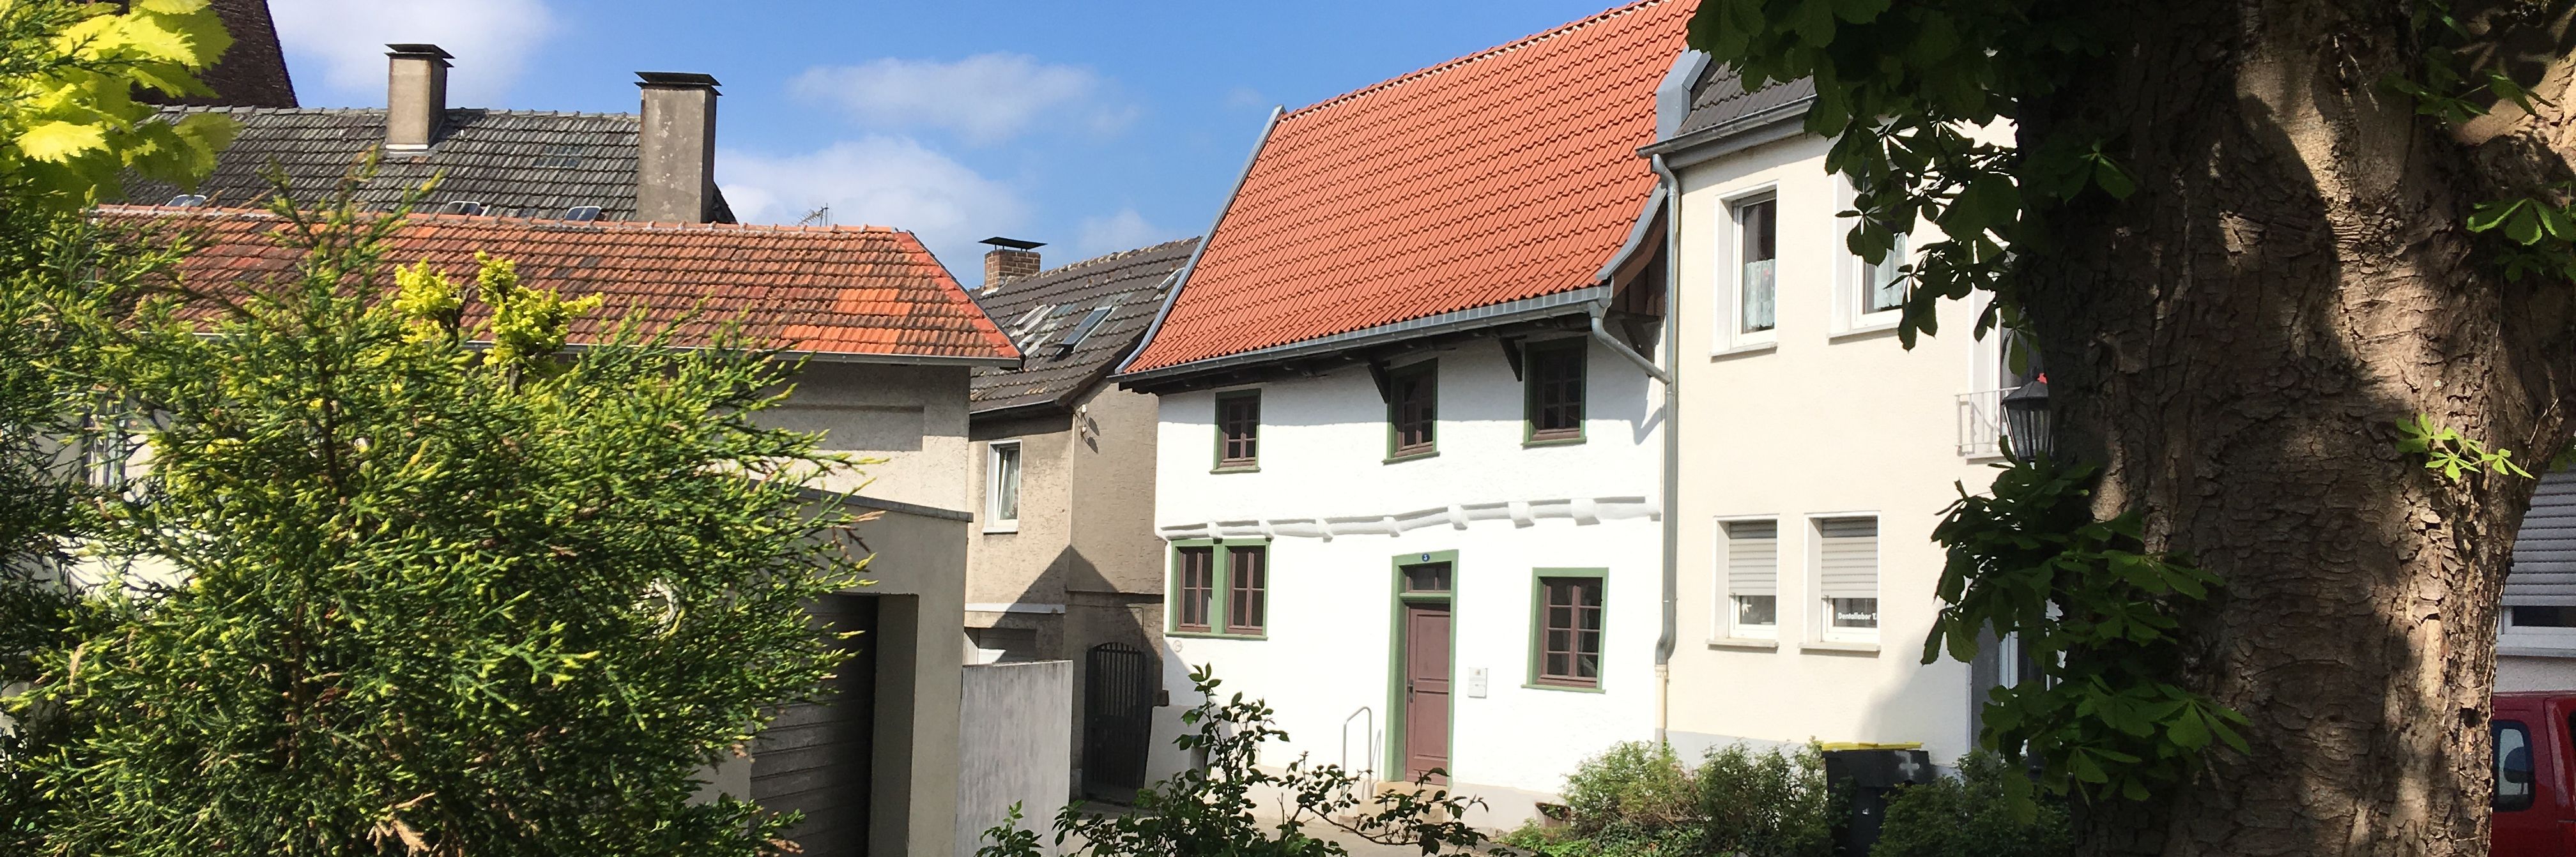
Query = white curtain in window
x=1883 y=287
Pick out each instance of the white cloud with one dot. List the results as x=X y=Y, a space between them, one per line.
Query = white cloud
x=882 y=181
x=1125 y=230
x=985 y=98
x=345 y=41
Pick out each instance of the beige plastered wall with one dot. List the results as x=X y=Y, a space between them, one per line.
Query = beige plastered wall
x=1082 y=566
x=1826 y=420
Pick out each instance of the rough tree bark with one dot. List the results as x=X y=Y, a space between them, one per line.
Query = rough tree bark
x=2236 y=342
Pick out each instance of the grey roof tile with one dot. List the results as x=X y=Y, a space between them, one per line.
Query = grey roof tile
x=517 y=163
x=1720 y=98
x=1042 y=310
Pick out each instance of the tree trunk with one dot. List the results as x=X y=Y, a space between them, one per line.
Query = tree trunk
x=2237 y=341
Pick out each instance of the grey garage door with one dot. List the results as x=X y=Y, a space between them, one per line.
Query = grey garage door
x=814 y=757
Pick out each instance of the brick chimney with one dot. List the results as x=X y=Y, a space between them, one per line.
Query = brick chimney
x=415 y=95
x=675 y=171
x=1010 y=259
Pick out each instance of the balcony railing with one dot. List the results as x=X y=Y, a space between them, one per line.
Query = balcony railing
x=1981 y=423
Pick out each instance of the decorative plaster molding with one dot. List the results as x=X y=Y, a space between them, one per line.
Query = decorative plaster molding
x=1583 y=511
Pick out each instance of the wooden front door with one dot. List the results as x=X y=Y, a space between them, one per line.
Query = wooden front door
x=1426 y=690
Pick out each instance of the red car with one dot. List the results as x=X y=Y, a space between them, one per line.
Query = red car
x=2535 y=802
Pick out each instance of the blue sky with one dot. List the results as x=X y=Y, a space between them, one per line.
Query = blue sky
x=1091 y=126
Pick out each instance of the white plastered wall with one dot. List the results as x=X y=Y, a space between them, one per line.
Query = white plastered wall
x=1504 y=508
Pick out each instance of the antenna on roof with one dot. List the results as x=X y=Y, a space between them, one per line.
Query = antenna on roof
x=821 y=215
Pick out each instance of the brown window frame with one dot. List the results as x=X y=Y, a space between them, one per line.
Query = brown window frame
x=1247 y=602
x=1566 y=616
x=1413 y=427
x=1238 y=433
x=1194 y=584
x=1555 y=387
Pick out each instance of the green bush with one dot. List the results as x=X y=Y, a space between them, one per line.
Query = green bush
x=1634 y=783
x=1971 y=815
x=1771 y=803
x=1638 y=799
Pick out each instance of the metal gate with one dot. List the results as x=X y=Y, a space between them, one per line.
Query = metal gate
x=1117 y=718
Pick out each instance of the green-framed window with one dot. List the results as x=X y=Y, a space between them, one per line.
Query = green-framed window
x=1566 y=627
x=1552 y=381
x=1413 y=410
x=1220 y=588
x=1238 y=430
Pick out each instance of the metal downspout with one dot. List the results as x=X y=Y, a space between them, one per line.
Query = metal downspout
x=1664 y=644
x=1622 y=349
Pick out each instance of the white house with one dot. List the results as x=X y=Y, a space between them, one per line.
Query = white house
x=1814 y=453
x=1410 y=433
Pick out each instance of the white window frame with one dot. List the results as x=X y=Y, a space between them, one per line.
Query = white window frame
x=993 y=520
x=2530 y=638
x=1851 y=273
x=1730 y=246
x=1819 y=608
x=1725 y=622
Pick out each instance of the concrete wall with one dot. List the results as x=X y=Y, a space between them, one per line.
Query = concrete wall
x=915 y=418
x=1016 y=747
x=1826 y=419
x=912 y=416
x=2535 y=672
x=1505 y=508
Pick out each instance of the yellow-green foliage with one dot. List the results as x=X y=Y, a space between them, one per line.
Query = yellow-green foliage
x=528 y=325
x=69 y=123
x=398 y=600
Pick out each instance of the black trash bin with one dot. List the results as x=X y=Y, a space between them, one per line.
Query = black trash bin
x=1864 y=777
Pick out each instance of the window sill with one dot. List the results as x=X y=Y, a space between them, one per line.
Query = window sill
x=1744 y=349
x=1411 y=456
x=1747 y=643
x=1839 y=647
x=1551 y=441
x=1216 y=635
x=1568 y=688
x=1867 y=331
x=999 y=529
x=1236 y=468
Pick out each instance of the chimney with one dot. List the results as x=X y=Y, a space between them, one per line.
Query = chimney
x=415 y=95
x=675 y=171
x=1010 y=259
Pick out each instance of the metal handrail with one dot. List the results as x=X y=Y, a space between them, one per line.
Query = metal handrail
x=1368 y=741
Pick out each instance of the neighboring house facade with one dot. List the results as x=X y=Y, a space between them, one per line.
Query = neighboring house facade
x=2536 y=631
x=891 y=341
x=1410 y=436
x=1814 y=453
x=1063 y=563
x=655 y=165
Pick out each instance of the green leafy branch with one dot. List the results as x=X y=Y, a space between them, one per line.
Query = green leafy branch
x=2447 y=450
x=2099 y=619
x=2446 y=86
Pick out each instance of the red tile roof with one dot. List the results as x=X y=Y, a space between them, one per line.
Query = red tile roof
x=1504 y=175
x=852 y=291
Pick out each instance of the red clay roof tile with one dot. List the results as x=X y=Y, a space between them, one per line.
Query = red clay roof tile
x=855 y=291
x=1504 y=175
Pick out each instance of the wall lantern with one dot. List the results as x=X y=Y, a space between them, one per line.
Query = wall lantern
x=2026 y=420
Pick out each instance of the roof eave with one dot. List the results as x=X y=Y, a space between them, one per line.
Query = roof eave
x=834 y=356
x=1776 y=123
x=1574 y=302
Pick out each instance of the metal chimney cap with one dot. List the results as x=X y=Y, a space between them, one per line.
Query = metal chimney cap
x=675 y=78
x=412 y=50
x=1012 y=243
